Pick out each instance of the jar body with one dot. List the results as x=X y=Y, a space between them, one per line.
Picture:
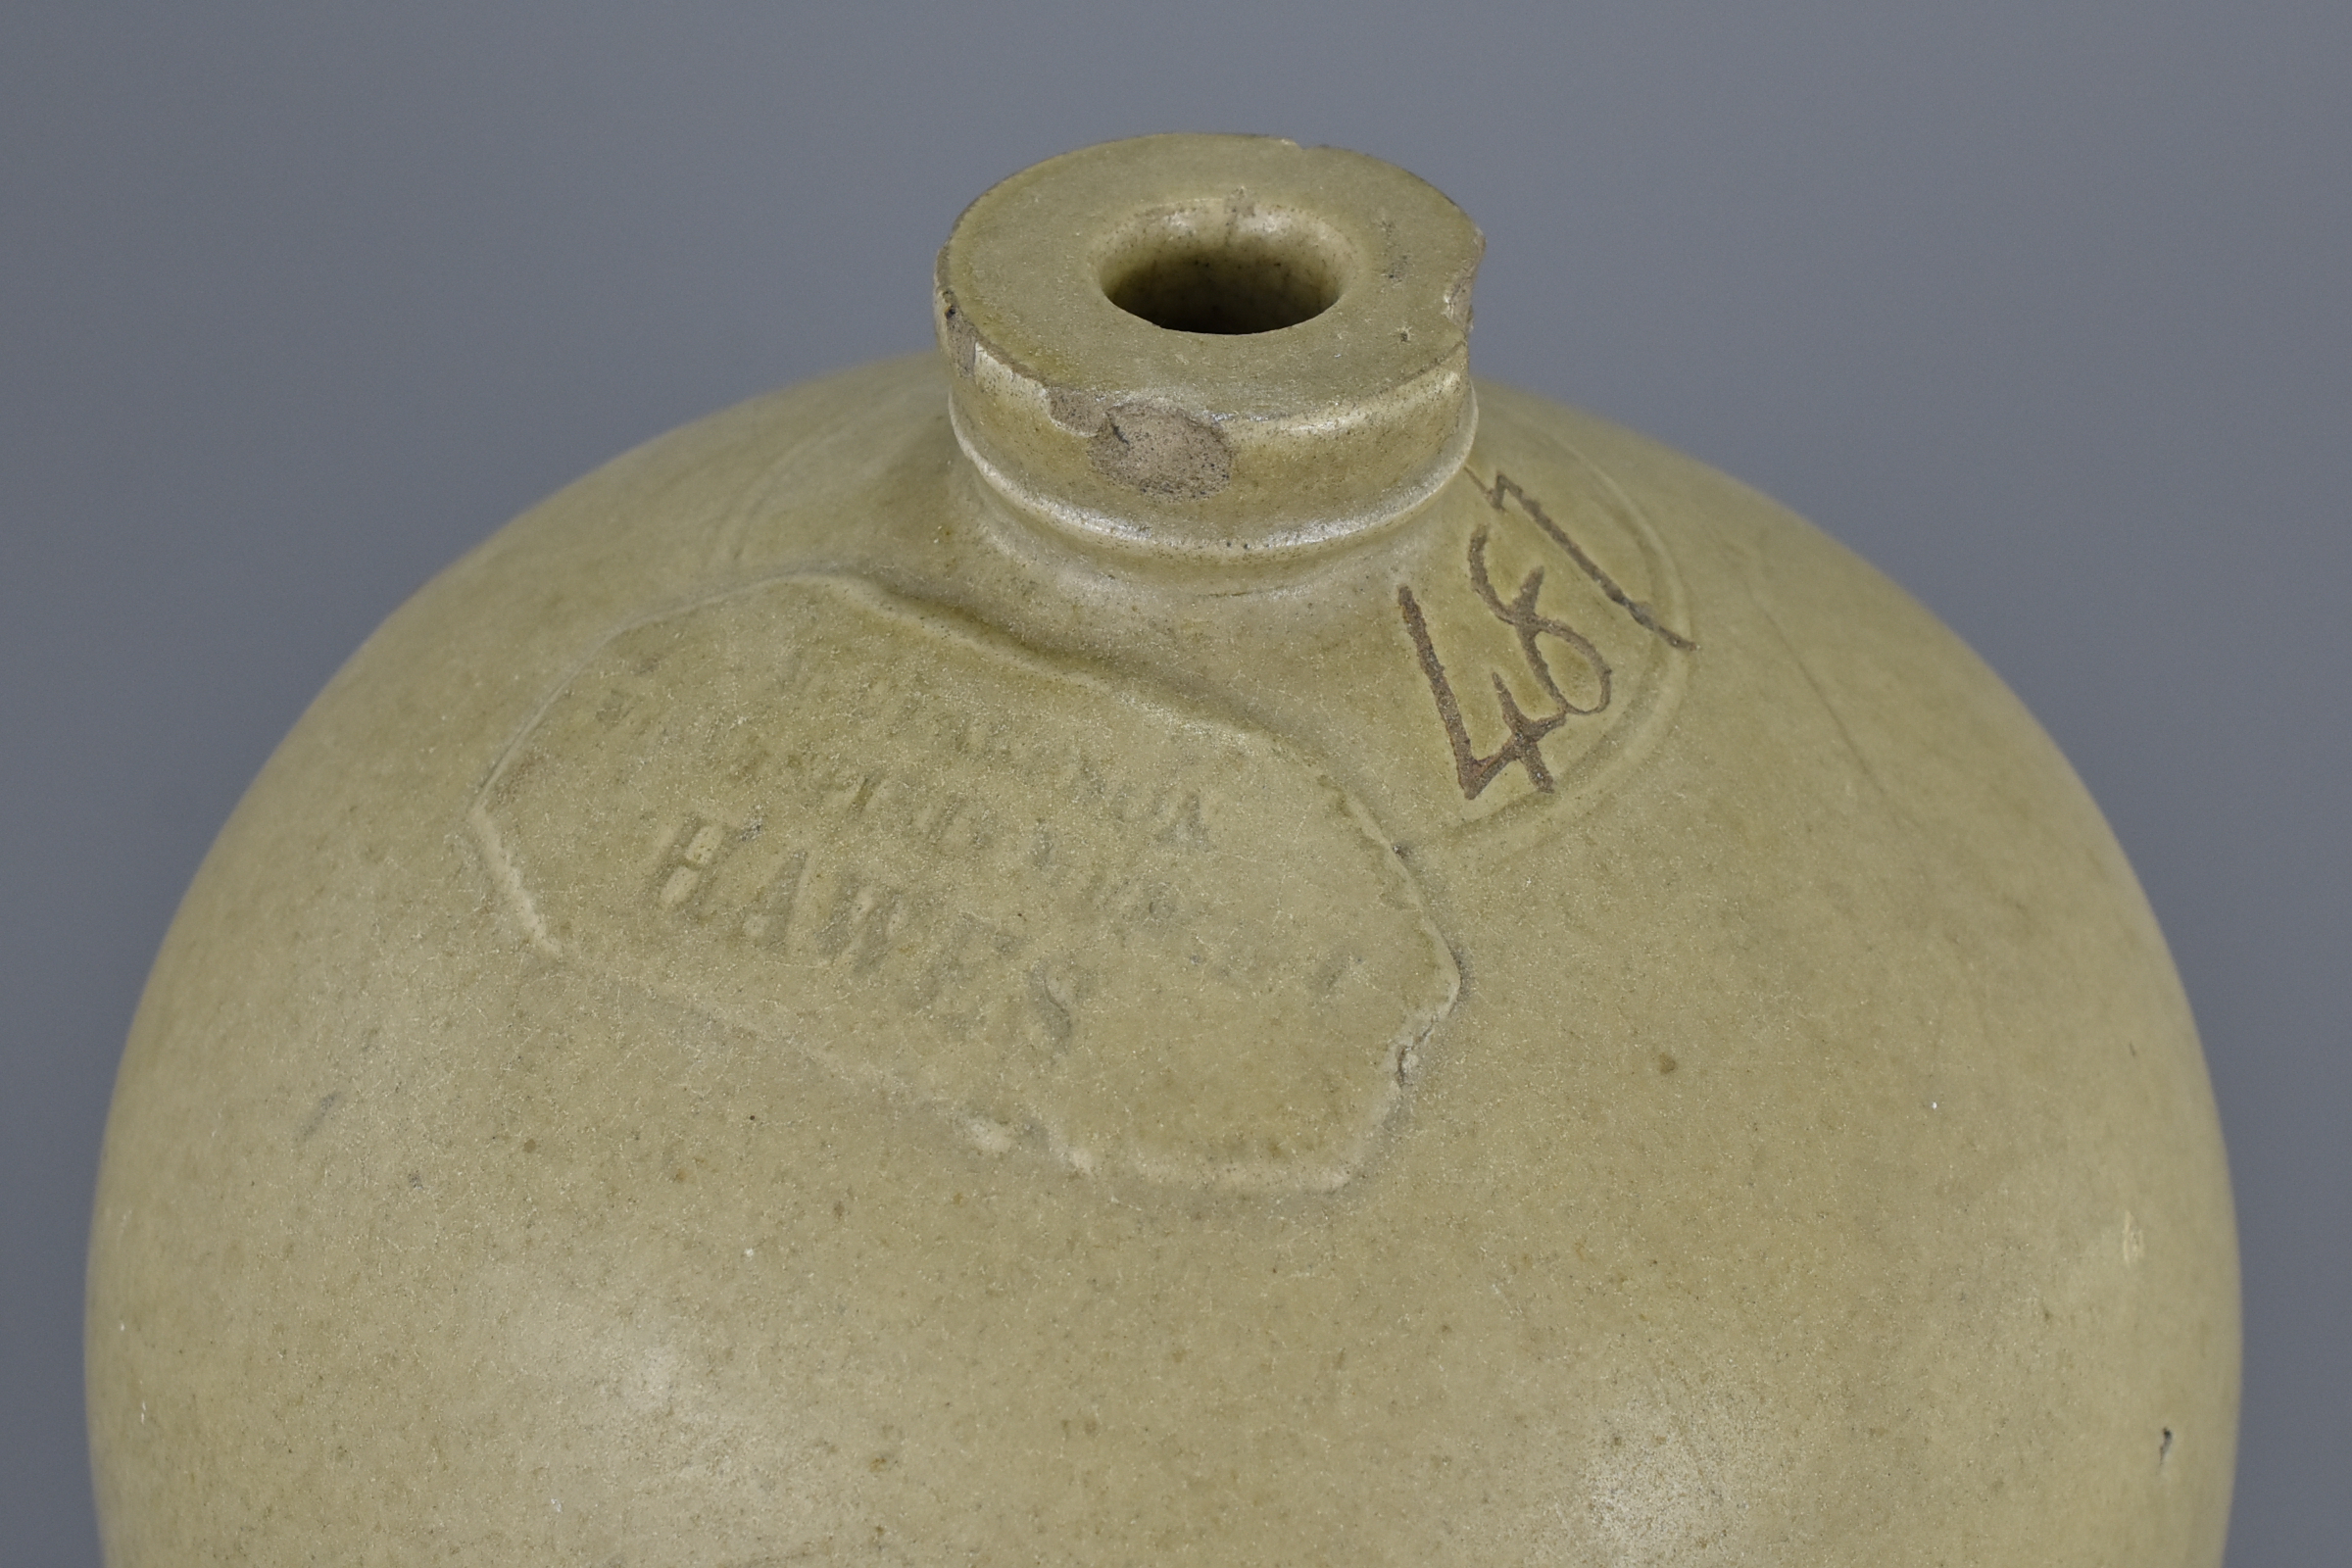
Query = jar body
x=775 y=1012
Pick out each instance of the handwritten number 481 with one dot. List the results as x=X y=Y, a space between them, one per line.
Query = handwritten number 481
x=1525 y=745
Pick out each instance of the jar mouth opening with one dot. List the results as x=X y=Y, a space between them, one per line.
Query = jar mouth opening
x=1224 y=268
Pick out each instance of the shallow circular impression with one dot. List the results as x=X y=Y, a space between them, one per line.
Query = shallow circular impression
x=1212 y=348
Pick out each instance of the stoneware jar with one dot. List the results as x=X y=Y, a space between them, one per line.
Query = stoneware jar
x=1176 y=935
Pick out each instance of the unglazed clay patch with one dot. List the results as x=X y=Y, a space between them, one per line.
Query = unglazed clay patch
x=1058 y=909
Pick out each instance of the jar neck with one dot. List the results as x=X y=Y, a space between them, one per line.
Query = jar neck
x=1210 y=348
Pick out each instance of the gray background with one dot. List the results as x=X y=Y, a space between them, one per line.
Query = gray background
x=2047 y=308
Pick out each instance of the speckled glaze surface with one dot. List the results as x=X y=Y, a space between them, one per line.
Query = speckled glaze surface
x=1000 y=959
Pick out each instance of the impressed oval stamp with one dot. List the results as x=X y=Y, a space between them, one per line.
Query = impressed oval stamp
x=1060 y=909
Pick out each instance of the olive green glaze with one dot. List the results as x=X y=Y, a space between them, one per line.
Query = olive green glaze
x=813 y=999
